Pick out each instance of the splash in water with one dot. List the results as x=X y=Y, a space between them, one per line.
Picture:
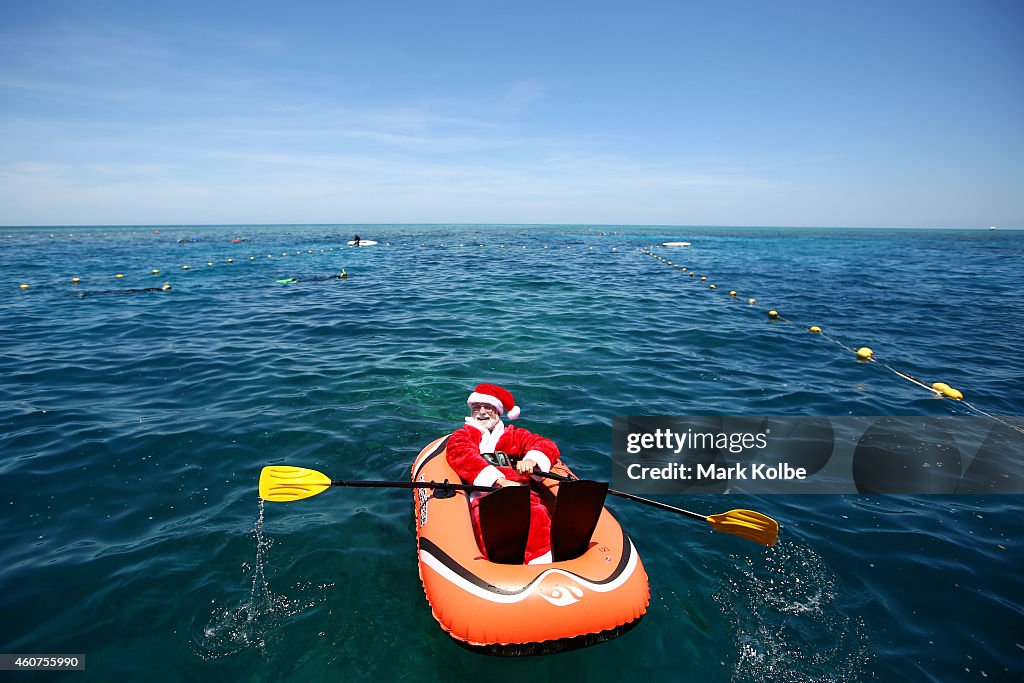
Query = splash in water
x=789 y=622
x=232 y=629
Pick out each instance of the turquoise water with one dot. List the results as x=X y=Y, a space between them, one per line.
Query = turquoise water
x=135 y=426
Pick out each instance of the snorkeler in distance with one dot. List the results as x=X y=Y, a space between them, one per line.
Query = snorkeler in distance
x=320 y=278
x=165 y=287
x=340 y=276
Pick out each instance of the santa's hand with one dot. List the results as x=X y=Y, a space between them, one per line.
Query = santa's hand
x=526 y=465
x=503 y=482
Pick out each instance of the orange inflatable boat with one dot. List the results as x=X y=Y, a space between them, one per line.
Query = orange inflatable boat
x=516 y=609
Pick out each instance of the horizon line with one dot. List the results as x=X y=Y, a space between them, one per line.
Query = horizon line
x=499 y=224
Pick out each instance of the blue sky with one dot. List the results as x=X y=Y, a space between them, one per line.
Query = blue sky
x=875 y=114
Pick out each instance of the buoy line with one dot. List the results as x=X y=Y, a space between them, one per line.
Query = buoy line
x=863 y=353
x=188 y=267
x=273 y=254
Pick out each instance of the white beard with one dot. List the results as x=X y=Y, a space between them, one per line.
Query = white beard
x=484 y=425
x=491 y=430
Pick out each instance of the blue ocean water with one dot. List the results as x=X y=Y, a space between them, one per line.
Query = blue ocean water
x=135 y=427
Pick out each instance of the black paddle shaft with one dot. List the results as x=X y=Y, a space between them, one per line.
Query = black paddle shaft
x=445 y=485
x=630 y=496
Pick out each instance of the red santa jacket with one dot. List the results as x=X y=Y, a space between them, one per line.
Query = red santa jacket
x=464 y=453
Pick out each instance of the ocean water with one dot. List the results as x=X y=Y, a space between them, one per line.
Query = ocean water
x=135 y=427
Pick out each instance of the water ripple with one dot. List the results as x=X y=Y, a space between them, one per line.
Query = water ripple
x=135 y=427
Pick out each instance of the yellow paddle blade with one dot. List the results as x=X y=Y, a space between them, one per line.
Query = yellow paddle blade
x=748 y=524
x=282 y=483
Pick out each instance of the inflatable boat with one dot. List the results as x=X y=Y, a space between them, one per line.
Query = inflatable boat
x=517 y=609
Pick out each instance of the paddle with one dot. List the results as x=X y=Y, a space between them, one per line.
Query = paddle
x=744 y=523
x=283 y=483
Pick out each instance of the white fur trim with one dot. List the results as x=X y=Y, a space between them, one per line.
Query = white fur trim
x=490 y=439
x=488 y=399
x=543 y=559
x=488 y=476
x=542 y=460
x=513 y=412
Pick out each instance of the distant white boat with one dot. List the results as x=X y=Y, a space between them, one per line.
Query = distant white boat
x=675 y=244
x=991 y=227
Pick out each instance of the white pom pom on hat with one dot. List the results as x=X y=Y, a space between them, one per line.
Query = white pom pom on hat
x=496 y=396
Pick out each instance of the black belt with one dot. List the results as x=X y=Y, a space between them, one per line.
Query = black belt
x=499 y=459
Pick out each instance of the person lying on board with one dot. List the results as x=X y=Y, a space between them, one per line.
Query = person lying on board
x=166 y=287
x=475 y=452
x=320 y=278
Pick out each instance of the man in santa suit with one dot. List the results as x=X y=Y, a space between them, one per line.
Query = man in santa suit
x=485 y=433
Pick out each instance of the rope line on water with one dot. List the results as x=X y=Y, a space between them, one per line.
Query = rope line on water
x=188 y=267
x=863 y=353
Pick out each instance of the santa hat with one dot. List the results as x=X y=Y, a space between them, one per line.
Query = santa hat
x=496 y=396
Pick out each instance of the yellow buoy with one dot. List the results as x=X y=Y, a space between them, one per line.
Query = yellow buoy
x=713 y=287
x=184 y=267
x=703 y=279
x=946 y=390
x=693 y=274
x=76 y=280
x=732 y=292
x=119 y=276
x=155 y=271
x=231 y=260
x=773 y=313
x=864 y=353
x=22 y=286
x=751 y=301
x=815 y=329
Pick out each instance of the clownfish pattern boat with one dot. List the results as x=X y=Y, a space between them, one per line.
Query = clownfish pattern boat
x=505 y=609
